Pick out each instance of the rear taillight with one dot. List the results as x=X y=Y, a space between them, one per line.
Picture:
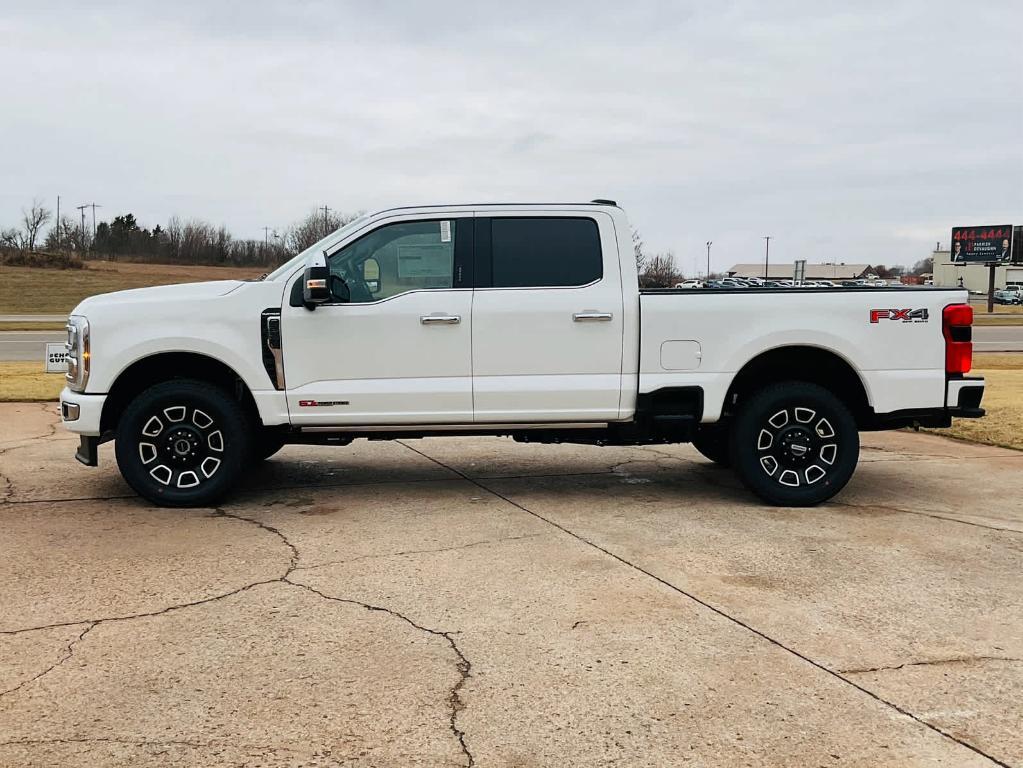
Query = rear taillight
x=957 y=327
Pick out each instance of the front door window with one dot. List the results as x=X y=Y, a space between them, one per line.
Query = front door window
x=394 y=259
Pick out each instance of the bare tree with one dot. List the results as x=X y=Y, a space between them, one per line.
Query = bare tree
x=314 y=227
x=660 y=271
x=32 y=222
x=11 y=238
x=923 y=266
x=65 y=234
x=637 y=249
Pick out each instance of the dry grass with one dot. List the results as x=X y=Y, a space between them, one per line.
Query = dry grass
x=29 y=290
x=31 y=326
x=27 y=382
x=998 y=319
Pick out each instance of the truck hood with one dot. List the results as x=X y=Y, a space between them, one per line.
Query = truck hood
x=162 y=294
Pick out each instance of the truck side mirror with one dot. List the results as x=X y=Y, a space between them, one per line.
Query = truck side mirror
x=315 y=286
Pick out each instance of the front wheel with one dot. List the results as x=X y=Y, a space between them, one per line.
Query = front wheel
x=182 y=443
x=795 y=444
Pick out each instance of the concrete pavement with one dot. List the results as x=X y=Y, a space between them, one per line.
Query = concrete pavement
x=468 y=601
x=29 y=345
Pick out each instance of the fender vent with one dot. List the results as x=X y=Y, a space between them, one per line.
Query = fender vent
x=273 y=355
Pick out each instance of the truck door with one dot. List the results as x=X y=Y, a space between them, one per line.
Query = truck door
x=547 y=318
x=393 y=346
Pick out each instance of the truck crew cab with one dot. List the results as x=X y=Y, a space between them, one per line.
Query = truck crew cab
x=517 y=320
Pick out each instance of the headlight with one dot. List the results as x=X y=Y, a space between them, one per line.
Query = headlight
x=77 y=353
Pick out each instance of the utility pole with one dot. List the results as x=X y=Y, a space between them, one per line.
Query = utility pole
x=94 y=206
x=324 y=209
x=266 y=237
x=709 y=244
x=767 y=254
x=82 y=208
x=58 y=223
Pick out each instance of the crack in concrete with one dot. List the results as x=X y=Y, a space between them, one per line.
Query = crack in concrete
x=292 y=562
x=705 y=473
x=934 y=515
x=177 y=606
x=725 y=615
x=68 y=653
x=932 y=662
x=418 y=551
x=464 y=666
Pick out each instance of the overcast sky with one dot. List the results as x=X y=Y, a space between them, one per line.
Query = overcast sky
x=857 y=132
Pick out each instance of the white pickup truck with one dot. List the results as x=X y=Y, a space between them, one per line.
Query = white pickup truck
x=517 y=320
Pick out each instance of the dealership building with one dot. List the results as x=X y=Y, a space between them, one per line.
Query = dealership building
x=975 y=276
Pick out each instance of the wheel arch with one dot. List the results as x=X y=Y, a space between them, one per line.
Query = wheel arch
x=802 y=362
x=166 y=366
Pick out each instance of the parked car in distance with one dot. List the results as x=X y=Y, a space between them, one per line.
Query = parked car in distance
x=1013 y=294
x=690 y=284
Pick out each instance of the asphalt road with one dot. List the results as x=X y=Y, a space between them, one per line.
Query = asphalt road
x=467 y=601
x=30 y=345
x=33 y=318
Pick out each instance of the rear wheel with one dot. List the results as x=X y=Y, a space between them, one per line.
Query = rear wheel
x=182 y=443
x=795 y=444
x=712 y=441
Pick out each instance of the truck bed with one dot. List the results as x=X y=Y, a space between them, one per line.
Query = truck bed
x=702 y=337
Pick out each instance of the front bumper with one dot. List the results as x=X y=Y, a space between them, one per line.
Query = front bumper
x=81 y=413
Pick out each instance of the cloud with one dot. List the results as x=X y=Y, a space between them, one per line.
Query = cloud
x=837 y=130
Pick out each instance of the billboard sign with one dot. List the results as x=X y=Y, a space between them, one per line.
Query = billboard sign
x=982 y=245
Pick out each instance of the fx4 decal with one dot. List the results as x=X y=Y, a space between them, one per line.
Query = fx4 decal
x=905 y=315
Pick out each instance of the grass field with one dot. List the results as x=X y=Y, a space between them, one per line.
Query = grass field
x=26 y=382
x=998 y=319
x=20 y=326
x=1003 y=398
x=28 y=290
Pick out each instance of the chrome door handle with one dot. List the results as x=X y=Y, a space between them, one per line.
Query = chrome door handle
x=589 y=316
x=440 y=319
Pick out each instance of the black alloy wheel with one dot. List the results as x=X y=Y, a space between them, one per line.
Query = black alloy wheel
x=795 y=444
x=182 y=443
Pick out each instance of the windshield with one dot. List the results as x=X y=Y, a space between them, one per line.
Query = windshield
x=292 y=264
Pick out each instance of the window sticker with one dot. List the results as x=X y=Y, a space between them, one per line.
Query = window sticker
x=423 y=261
x=445 y=231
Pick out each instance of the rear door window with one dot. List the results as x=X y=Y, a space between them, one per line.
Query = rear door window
x=538 y=252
